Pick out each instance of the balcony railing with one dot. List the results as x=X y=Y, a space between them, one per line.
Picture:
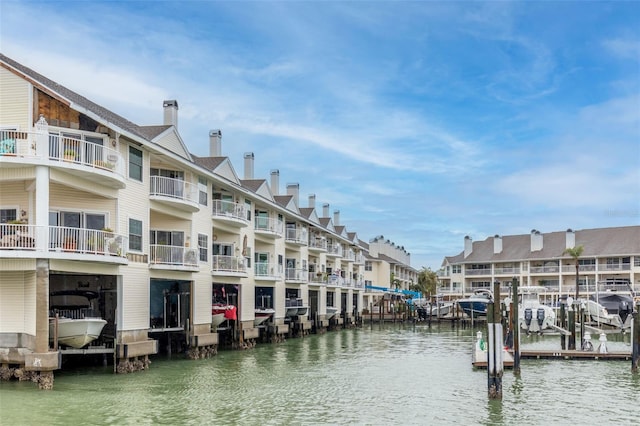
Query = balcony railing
x=507 y=270
x=614 y=267
x=296 y=236
x=62 y=239
x=173 y=256
x=173 y=188
x=335 y=250
x=44 y=146
x=470 y=272
x=581 y=268
x=359 y=259
x=229 y=264
x=266 y=271
x=349 y=255
x=317 y=244
x=266 y=225
x=229 y=210
x=297 y=275
x=551 y=269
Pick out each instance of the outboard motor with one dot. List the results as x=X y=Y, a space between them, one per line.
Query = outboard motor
x=528 y=315
x=540 y=318
x=624 y=310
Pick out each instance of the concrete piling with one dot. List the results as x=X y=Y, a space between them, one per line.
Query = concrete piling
x=495 y=362
x=515 y=327
x=635 y=352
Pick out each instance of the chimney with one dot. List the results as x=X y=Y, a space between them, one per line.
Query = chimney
x=215 y=143
x=468 y=246
x=248 y=165
x=275 y=182
x=293 y=189
x=497 y=244
x=170 y=113
x=536 y=240
x=325 y=210
x=571 y=239
x=336 y=218
x=312 y=201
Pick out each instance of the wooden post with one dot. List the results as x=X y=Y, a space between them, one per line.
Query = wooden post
x=563 y=325
x=494 y=349
x=635 y=356
x=515 y=324
x=572 y=328
x=582 y=319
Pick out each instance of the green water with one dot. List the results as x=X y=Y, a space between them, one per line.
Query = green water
x=380 y=375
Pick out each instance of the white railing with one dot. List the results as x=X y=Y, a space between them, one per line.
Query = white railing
x=270 y=225
x=614 y=267
x=173 y=188
x=318 y=243
x=265 y=270
x=230 y=209
x=359 y=259
x=507 y=270
x=551 y=269
x=477 y=272
x=297 y=236
x=228 y=264
x=581 y=268
x=172 y=255
x=87 y=241
x=349 y=255
x=336 y=250
x=18 y=237
x=44 y=146
x=293 y=274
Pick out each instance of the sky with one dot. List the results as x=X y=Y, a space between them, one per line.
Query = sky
x=421 y=121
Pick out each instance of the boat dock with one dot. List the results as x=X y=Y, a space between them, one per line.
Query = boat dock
x=574 y=354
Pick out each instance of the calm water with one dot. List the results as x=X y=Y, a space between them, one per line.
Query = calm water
x=383 y=375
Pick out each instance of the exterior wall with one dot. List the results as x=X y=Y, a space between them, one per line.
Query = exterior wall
x=16 y=95
x=201 y=296
x=13 y=195
x=18 y=302
x=133 y=298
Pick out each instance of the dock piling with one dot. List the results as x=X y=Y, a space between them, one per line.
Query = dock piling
x=563 y=325
x=515 y=327
x=635 y=352
x=495 y=362
x=572 y=327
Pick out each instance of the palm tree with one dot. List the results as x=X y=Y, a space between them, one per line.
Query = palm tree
x=575 y=253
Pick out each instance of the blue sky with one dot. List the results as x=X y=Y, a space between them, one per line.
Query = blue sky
x=420 y=121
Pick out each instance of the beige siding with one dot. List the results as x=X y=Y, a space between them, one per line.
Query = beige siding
x=13 y=195
x=201 y=291
x=16 y=95
x=173 y=144
x=14 y=173
x=134 y=300
x=18 y=302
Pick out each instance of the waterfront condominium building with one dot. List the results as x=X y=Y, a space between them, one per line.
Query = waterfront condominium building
x=610 y=258
x=104 y=218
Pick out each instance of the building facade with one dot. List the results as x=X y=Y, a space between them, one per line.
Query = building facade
x=611 y=258
x=94 y=204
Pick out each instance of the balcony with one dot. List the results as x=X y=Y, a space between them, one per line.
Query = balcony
x=264 y=271
x=335 y=281
x=606 y=267
x=229 y=213
x=510 y=270
x=175 y=193
x=268 y=227
x=296 y=236
x=173 y=258
x=317 y=278
x=349 y=255
x=334 y=251
x=581 y=268
x=228 y=266
x=87 y=160
x=293 y=275
x=22 y=240
x=477 y=272
x=317 y=244
x=550 y=269
x=359 y=259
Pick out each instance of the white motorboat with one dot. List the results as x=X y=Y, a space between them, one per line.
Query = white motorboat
x=295 y=307
x=601 y=316
x=77 y=333
x=331 y=312
x=262 y=314
x=534 y=316
x=76 y=323
x=442 y=309
x=220 y=312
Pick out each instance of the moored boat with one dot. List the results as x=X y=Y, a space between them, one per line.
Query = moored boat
x=331 y=312
x=534 y=316
x=77 y=323
x=262 y=314
x=476 y=304
x=220 y=312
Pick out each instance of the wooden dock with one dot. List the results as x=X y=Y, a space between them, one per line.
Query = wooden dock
x=574 y=354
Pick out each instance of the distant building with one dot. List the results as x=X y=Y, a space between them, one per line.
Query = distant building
x=611 y=256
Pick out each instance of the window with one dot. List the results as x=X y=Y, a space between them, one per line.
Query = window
x=135 y=165
x=367 y=266
x=247 y=205
x=456 y=269
x=203 y=244
x=203 y=190
x=7 y=215
x=135 y=235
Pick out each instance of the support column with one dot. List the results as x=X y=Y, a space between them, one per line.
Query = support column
x=42 y=305
x=635 y=356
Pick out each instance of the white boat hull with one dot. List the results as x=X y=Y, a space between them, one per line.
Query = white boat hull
x=601 y=316
x=216 y=320
x=262 y=315
x=77 y=333
x=331 y=312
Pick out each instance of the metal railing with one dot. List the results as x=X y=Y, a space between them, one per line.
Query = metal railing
x=172 y=255
x=87 y=241
x=232 y=264
x=18 y=237
x=507 y=270
x=46 y=146
x=336 y=250
x=293 y=274
x=265 y=270
x=318 y=243
x=270 y=225
x=222 y=208
x=173 y=188
x=297 y=236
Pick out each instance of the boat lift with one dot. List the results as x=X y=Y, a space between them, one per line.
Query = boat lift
x=413 y=294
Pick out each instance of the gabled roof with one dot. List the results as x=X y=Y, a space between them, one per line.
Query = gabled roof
x=327 y=224
x=287 y=201
x=73 y=99
x=168 y=138
x=258 y=187
x=310 y=214
x=340 y=230
x=220 y=166
x=600 y=242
